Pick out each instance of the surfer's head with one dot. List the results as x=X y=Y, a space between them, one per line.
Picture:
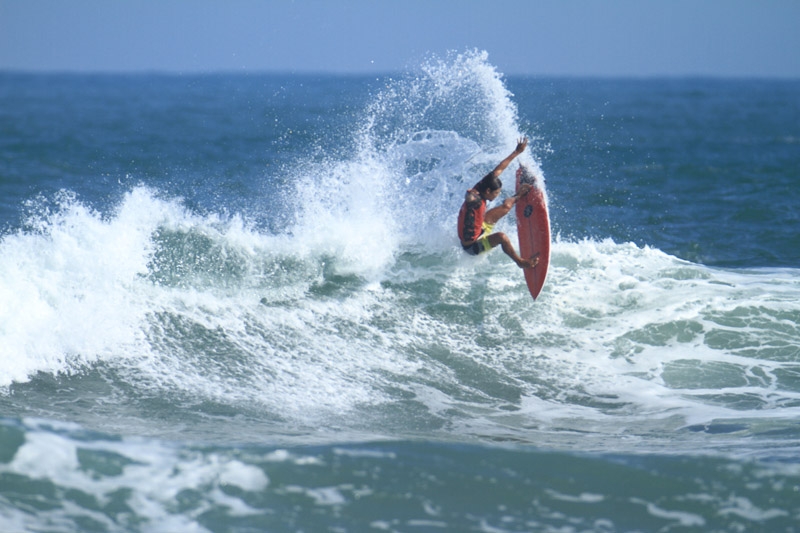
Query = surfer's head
x=489 y=187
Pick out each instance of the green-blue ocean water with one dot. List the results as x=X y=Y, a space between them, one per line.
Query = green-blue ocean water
x=238 y=303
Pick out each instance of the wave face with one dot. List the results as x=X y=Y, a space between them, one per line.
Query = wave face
x=322 y=351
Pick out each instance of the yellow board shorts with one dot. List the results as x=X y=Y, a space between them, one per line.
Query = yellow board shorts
x=482 y=244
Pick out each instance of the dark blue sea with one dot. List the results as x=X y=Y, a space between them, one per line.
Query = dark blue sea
x=237 y=303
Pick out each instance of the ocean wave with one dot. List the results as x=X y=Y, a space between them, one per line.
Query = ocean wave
x=210 y=309
x=66 y=479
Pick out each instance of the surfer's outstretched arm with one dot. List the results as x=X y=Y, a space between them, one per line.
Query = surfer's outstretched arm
x=521 y=145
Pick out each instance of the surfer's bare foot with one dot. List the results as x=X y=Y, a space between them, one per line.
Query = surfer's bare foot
x=528 y=263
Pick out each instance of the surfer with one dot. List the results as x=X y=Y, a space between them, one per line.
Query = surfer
x=475 y=223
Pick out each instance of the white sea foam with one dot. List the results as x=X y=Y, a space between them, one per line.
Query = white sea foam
x=67 y=287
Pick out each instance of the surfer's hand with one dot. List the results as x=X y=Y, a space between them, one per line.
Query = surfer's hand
x=523 y=190
x=522 y=143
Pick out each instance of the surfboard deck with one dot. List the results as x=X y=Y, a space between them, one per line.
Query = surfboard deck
x=533 y=228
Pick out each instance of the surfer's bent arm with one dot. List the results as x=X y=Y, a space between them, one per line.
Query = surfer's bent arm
x=524 y=188
x=521 y=145
x=509 y=202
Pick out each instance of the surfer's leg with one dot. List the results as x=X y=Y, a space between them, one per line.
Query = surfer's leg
x=502 y=239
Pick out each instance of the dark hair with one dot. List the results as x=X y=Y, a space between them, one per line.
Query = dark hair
x=490 y=182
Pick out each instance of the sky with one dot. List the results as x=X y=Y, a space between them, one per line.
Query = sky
x=610 y=38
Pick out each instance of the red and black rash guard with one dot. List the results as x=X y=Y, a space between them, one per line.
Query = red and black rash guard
x=470 y=218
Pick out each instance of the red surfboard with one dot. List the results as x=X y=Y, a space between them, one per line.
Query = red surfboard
x=533 y=227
